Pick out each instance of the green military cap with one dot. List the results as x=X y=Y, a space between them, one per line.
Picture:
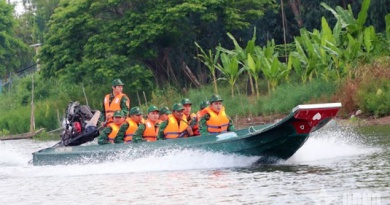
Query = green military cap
x=186 y=101
x=177 y=107
x=135 y=111
x=215 y=98
x=116 y=82
x=165 y=110
x=204 y=104
x=119 y=113
x=152 y=108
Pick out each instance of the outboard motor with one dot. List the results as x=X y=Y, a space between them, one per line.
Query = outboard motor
x=80 y=125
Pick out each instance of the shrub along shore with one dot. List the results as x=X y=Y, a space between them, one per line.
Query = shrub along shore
x=368 y=91
x=345 y=61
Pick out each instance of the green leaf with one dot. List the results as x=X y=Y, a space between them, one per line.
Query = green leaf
x=362 y=16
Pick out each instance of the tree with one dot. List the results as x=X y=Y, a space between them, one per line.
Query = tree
x=97 y=38
x=10 y=46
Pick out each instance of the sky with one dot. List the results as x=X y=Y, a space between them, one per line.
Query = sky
x=18 y=6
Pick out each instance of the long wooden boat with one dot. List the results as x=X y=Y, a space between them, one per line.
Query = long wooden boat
x=271 y=142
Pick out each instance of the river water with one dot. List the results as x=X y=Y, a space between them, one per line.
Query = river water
x=337 y=165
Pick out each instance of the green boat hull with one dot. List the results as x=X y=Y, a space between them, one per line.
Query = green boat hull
x=271 y=142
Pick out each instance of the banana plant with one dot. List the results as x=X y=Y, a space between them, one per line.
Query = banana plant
x=229 y=68
x=242 y=54
x=346 y=18
x=210 y=60
x=273 y=70
x=370 y=39
x=305 y=55
x=253 y=67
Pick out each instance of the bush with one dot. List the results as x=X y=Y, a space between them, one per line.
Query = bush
x=287 y=96
x=43 y=136
x=374 y=98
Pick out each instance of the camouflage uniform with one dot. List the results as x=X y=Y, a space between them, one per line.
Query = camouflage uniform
x=124 y=107
x=203 y=120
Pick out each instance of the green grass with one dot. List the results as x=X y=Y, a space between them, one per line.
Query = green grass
x=51 y=101
x=287 y=96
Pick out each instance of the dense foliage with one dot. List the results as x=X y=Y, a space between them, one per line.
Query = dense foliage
x=12 y=49
x=277 y=51
x=100 y=40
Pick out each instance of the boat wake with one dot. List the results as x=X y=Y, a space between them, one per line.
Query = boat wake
x=11 y=155
x=323 y=147
x=173 y=161
x=329 y=145
x=18 y=154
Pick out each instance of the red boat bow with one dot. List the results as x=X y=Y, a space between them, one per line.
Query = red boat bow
x=309 y=116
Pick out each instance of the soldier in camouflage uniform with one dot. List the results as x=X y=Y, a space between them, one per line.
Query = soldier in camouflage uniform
x=114 y=101
x=215 y=120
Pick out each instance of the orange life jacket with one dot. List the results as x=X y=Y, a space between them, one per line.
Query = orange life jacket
x=130 y=130
x=195 y=129
x=115 y=105
x=189 y=117
x=150 y=133
x=114 y=132
x=174 y=129
x=217 y=123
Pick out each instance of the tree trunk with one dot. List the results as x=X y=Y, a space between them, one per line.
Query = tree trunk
x=215 y=82
x=295 y=4
x=22 y=136
x=164 y=69
x=257 y=87
x=251 y=83
x=190 y=75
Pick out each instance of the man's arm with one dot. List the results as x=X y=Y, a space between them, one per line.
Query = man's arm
x=120 y=137
x=160 y=134
x=125 y=104
x=137 y=137
x=102 y=117
x=203 y=125
x=231 y=126
x=103 y=137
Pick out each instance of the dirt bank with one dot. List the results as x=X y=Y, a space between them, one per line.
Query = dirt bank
x=378 y=121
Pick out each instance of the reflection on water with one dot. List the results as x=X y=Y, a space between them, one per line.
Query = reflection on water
x=335 y=166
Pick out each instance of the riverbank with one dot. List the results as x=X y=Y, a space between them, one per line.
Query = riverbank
x=373 y=121
x=241 y=123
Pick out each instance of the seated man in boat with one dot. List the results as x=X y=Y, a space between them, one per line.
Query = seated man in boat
x=163 y=114
x=109 y=133
x=189 y=117
x=148 y=130
x=215 y=119
x=114 y=101
x=129 y=127
x=187 y=104
x=199 y=115
x=175 y=126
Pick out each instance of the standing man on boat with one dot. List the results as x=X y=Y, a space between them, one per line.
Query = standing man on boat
x=215 y=120
x=174 y=126
x=114 y=101
x=129 y=127
x=109 y=133
x=148 y=131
